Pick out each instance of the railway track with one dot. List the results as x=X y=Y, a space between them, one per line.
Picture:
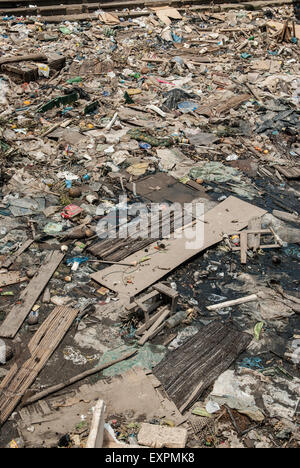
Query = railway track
x=55 y=11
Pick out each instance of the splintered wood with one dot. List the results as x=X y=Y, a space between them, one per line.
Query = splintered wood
x=41 y=346
x=30 y=295
x=186 y=372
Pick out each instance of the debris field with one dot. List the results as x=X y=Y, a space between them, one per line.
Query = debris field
x=150 y=226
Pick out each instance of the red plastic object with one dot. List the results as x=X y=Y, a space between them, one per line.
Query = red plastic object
x=71 y=211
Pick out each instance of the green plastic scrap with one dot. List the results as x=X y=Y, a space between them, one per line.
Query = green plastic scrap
x=4 y=147
x=257 y=330
x=277 y=370
x=146 y=357
x=65 y=30
x=201 y=412
x=76 y=79
x=153 y=141
x=215 y=172
x=245 y=55
x=128 y=99
x=57 y=102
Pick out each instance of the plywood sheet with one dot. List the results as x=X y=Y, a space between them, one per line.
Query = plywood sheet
x=41 y=346
x=133 y=392
x=229 y=216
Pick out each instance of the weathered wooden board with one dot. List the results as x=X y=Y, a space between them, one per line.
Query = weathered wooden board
x=30 y=295
x=229 y=216
x=23 y=373
x=289 y=172
x=254 y=239
x=187 y=371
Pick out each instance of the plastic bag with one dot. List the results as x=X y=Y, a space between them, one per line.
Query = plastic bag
x=175 y=96
x=44 y=70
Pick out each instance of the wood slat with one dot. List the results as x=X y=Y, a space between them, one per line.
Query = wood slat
x=30 y=295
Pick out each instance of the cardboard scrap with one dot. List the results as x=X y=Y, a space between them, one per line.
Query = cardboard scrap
x=165 y=13
x=133 y=391
x=277 y=27
x=108 y=18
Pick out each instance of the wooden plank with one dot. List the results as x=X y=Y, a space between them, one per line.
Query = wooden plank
x=262 y=246
x=229 y=216
x=243 y=246
x=254 y=239
x=148 y=324
x=153 y=328
x=96 y=435
x=41 y=346
x=232 y=103
x=30 y=295
x=163 y=289
x=23 y=58
x=188 y=371
x=289 y=172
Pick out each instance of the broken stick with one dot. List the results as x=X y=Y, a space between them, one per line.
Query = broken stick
x=242 y=300
x=76 y=378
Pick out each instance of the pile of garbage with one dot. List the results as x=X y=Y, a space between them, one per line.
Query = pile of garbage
x=103 y=124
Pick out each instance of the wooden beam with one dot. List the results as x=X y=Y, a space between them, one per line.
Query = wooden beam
x=23 y=58
x=244 y=246
x=148 y=324
x=55 y=388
